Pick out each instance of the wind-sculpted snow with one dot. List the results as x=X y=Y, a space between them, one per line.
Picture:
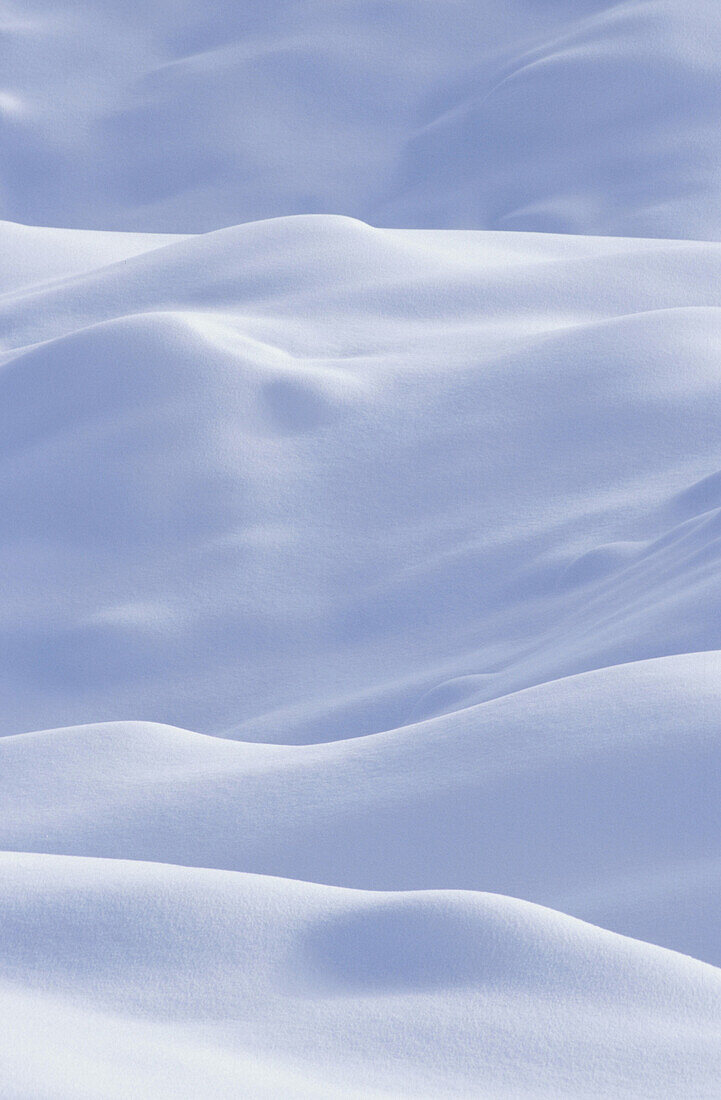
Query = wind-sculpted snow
x=325 y=480
x=360 y=484
x=419 y=531
x=581 y=116
x=616 y=769
x=183 y=982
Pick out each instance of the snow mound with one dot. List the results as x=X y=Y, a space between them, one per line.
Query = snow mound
x=363 y=418
x=316 y=471
x=291 y=986
x=615 y=769
x=31 y=255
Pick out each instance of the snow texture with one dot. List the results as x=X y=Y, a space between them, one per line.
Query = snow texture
x=360 y=474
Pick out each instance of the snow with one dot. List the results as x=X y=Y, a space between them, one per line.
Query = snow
x=315 y=471
x=615 y=769
x=360 y=474
x=579 y=116
x=198 y=982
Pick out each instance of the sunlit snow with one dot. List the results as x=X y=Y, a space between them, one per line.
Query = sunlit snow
x=360 y=483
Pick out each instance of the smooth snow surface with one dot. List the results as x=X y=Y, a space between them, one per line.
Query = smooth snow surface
x=361 y=616
x=169 y=981
x=574 y=116
x=427 y=524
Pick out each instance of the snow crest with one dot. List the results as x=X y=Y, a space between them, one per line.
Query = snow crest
x=361 y=627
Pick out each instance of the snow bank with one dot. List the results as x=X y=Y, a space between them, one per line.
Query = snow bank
x=321 y=474
x=360 y=582
x=595 y=794
x=284 y=988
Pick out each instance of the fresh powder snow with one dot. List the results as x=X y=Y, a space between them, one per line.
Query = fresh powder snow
x=360 y=427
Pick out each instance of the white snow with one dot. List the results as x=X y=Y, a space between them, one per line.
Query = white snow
x=555 y=115
x=180 y=982
x=361 y=617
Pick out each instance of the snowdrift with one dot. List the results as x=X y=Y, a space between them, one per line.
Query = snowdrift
x=360 y=478
x=419 y=531
x=575 y=116
x=616 y=770
x=326 y=479
x=235 y=982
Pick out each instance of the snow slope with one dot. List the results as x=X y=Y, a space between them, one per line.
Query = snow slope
x=582 y=116
x=426 y=525
x=317 y=471
x=616 y=770
x=161 y=980
x=361 y=623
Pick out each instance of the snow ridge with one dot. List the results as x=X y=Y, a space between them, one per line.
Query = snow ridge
x=361 y=619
